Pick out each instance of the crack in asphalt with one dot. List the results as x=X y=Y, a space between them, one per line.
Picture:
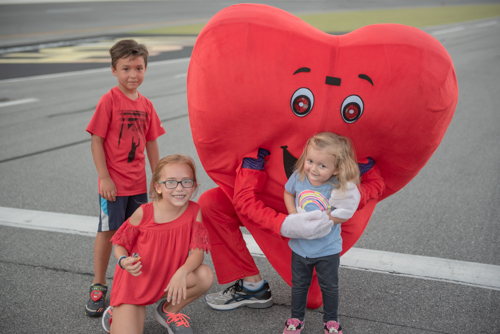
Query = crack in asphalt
x=75 y=143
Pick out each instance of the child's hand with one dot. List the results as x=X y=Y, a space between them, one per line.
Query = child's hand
x=132 y=265
x=176 y=288
x=344 y=203
x=108 y=189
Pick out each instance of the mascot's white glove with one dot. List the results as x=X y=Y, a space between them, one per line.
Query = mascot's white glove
x=345 y=202
x=308 y=225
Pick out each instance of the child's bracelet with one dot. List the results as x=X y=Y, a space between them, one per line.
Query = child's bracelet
x=120 y=260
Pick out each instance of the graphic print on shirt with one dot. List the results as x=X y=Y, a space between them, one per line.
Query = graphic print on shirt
x=131 y=154
x=316 y=200
x=132 y=129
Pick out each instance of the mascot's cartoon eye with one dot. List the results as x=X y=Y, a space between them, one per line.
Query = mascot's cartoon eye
x=302 y=102
x=352 y=108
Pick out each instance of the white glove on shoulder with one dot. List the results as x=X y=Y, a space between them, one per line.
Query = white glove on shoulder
x=308 y=225
x=345 y=202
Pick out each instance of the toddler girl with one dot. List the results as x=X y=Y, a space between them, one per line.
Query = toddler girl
x=160 y=253
x=325 y=178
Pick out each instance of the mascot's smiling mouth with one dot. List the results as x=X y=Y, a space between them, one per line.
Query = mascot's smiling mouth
x=288 y=161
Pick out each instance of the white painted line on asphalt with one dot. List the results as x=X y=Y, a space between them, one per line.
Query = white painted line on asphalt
x=49 y=221
x=446 y=31
x=460 y=272
x=486 y=24
x=96 y=70
x=16 y=102
x=182 y=75
x=451 y=271
x=68 y=10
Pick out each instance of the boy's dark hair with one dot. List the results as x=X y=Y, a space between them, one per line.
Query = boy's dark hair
x=128 y=48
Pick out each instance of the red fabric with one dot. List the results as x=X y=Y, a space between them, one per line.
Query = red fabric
x=371 y=186
x=126 y=126
x=163 y=249
x=230 y=256
x=242 y=78
x=126 y=236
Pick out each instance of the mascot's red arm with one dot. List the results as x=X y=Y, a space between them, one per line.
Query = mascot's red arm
x=371 y=187
x=249 y=183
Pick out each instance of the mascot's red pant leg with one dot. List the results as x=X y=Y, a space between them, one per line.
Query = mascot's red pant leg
x=230 y=255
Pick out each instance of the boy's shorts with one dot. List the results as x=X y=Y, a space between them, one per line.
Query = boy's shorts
x=113 y=214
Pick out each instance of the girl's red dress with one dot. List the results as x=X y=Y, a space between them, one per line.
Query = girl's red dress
x=163 y=249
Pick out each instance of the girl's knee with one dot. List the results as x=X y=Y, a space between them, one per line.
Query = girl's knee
x=128 y=318
x=206 y=276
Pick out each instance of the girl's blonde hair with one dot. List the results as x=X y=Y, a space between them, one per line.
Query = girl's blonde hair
x=172 y=160
x=342 y=150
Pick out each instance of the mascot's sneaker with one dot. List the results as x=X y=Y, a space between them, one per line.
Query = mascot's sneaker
x=332 y=327
x=293 y=326
x=107 y=318
x=95 y=304
x=236 y=295
x=175 y=323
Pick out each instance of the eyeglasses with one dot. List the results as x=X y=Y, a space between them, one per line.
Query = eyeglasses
x=172 y=184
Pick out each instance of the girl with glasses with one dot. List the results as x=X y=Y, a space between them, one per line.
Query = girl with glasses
x=160 y=251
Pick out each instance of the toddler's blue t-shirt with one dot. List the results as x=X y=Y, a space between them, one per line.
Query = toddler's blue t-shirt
x=309 y=198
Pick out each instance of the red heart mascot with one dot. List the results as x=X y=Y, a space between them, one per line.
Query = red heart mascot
x=260 y=77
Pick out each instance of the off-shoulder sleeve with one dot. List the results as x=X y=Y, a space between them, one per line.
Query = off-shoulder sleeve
x=199 y=237
x=126 y=236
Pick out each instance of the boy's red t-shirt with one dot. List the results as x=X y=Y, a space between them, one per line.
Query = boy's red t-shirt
x=126 y=126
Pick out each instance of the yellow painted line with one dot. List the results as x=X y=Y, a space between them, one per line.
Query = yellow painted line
x=96 y=52
x=103 y=29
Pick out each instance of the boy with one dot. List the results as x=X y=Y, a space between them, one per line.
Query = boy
x=123 y=125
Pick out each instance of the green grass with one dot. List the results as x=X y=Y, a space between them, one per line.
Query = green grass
x=416 y=17
x=350 y=20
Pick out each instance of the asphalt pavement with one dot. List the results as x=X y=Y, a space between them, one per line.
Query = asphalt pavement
x=449 y=211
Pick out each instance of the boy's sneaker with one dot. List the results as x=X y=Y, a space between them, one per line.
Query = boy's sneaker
x=293 y=326
x=332 y=327
x=107 y=318
x=176 y=323
x=95 y=304
x=236 y=295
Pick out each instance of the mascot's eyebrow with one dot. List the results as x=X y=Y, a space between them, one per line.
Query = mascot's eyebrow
x=302 y=69
x=367 y=78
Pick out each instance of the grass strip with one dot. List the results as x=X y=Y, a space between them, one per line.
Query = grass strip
x=345 y=21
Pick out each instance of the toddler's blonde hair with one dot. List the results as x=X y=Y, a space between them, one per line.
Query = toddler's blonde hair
x=341 y=149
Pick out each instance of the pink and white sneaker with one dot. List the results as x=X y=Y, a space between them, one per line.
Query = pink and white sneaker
x=332 y=327
x=293 y=326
